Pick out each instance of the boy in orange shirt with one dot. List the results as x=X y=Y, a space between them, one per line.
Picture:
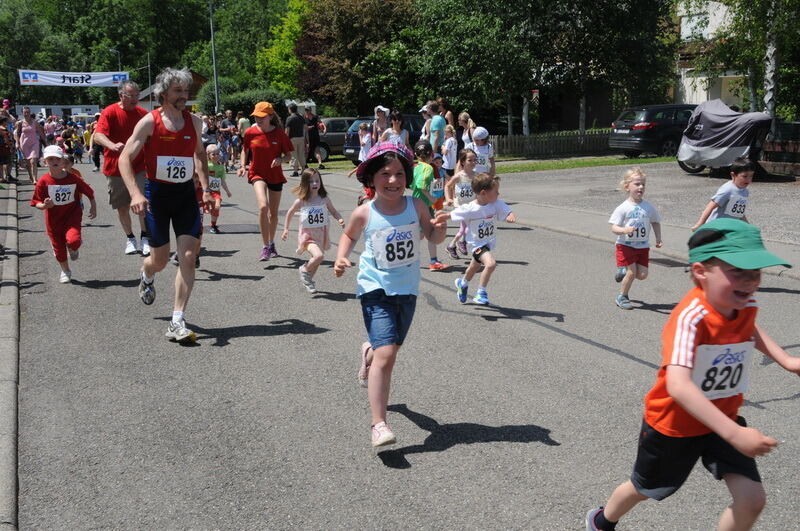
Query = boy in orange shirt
x=692 y=410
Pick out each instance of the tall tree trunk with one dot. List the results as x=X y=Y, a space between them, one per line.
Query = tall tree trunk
x=751 y=87
x=526 y=128
x=582 y=114
x=771 y=58
x=510 y=113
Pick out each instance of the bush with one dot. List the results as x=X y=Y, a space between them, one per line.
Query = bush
x=205 y=96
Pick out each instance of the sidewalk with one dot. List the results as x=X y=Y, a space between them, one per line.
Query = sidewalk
x=9 y=357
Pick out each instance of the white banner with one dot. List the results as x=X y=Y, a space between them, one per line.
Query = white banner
x=34 y=78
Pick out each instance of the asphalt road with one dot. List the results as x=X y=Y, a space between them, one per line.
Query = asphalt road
x=522 y=415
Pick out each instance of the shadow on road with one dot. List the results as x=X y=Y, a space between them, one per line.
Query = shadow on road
x=514 y=313
x=103 y=284
x=444 y=436
x=664 y=309
x=223 y=335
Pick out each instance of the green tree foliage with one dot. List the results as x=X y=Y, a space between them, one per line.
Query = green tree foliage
x=277 y=63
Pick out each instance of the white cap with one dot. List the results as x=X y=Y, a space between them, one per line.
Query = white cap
x=381 y=108
x=424 y=108
x=480 y=133
x=53 y=151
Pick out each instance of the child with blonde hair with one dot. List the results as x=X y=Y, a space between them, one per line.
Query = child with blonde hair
x=315 y=209
x=631 y=221
x=458 y=191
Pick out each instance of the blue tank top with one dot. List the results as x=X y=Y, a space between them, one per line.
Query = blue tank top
x=390 y=260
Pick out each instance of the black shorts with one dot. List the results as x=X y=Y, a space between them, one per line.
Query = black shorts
x=450 y=173
x=275 y=187
x=5 y=159
x=663 y=463
x=477 y=253
x=176 y=203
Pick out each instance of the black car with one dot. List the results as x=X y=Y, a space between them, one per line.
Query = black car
x=412 y=123
x=651 y=129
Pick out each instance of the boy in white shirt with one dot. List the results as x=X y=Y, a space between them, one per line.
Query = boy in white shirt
x=730 y=201
x=480 y=215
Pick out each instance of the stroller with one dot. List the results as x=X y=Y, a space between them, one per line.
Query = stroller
x=717 y=135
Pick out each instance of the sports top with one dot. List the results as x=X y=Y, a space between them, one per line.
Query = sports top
x=169 y=155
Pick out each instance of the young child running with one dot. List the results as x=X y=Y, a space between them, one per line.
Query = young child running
x=423 y=188
x=315 y=209
x=216 y=181
x=483 y=150
x=58 y=193
x=480 y=216
x=730 y=201
x=458 y=191
x=388 y=270
x=631 y=222
x=365 y=140
x=692 y=410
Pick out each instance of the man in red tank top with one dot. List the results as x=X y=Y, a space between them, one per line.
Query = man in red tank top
x=113 y=129
x=173 y=153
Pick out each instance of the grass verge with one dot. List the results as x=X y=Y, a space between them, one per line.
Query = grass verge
x=566 y=164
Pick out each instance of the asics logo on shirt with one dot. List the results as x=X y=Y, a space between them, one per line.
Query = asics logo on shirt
x=729 y=358
x=399 y=236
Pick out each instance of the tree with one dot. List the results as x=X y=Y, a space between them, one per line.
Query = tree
x=277 y=62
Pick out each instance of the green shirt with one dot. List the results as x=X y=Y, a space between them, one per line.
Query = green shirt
x=216 y=175
x=423 y=176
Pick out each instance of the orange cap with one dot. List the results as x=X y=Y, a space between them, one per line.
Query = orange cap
x=263 y=108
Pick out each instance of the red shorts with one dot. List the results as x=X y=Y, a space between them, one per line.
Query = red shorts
x=215 y=211
x=627 y=255
x=438 y=204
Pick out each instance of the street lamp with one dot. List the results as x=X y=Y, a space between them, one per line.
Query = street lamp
x=119 y=58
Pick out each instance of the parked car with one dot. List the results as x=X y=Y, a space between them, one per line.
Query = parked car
x=650 y=129
x=331 y=142
x=412 y=123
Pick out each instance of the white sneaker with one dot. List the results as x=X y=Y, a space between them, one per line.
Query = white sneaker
x=65 y=277
x=145 y=246
x=130 y=247
x=180 y=333
x=73 y=255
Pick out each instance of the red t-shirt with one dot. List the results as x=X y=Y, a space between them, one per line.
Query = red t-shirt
x=117 y=124
x=66 y=194
x=264 y=148
x=694 y=326
x=169 y=155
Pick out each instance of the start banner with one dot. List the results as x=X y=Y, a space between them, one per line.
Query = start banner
x=71 y=79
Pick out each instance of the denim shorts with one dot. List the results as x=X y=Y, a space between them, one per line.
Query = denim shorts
x=387 y=317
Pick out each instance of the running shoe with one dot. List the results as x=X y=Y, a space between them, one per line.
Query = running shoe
x=213 y=229
x=321 y=167
x=272 y=252
x=363 y=371
x=382 y=435
x=462 y=247
x=197 y=262
x=264 y=256
x=73 y=254
x=590 y=516
x=180 y=333
x=308 y=282
x=295 y=174
x=620 y=274
x=623 y=302
x=130 y=246
x=438 y=266
x=145 y=246
x=95 y=169
x=461 y=290
x=481 y=297
x=65 y=277
x=451 y=250
x=147 y=290
x=173 y=258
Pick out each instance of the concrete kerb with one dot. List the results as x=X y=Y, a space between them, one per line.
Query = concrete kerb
x=9 y=364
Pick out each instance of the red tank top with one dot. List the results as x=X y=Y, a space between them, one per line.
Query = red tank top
x=168 y=155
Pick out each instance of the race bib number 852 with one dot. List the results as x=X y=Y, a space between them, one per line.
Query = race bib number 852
x=396 y=246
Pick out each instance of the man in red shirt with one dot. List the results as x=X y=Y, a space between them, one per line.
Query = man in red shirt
x=114 y=128
x=170 y=139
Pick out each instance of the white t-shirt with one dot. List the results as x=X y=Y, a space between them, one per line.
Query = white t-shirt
x=732 y=202
x=450 y=157
x=640 y=215
x=484 y=153
x=481 y=220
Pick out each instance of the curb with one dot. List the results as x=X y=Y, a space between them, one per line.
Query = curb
x=9 y=364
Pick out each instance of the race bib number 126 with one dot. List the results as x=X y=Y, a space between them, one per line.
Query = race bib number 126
x=174 y=169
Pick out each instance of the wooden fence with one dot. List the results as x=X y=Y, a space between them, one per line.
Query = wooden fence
x=556 y=144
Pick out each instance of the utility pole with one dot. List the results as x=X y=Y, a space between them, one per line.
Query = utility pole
x=213 y=57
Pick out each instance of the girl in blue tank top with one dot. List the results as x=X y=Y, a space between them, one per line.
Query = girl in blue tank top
x=388 y=271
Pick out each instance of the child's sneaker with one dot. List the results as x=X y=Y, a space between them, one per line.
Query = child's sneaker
x=308 y=282
x=363 y=371
x=382 y=435
x=623 y=302
x=73 y=254
x=213 y=229
x=481 y=297
x=620 y=274
x=451 y=250
x=590 y=516
x=438 y=266
x=272 y=252
x=462 y=247
x=264 y=254
x=461 y=290
x=173 y=258
x=65 y=277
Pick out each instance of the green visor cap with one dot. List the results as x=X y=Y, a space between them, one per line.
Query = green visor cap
x=732 y=241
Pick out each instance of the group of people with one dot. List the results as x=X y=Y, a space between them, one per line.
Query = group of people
x=159 y=170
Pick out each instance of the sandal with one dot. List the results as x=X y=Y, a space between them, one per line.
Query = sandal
x=363 y=371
